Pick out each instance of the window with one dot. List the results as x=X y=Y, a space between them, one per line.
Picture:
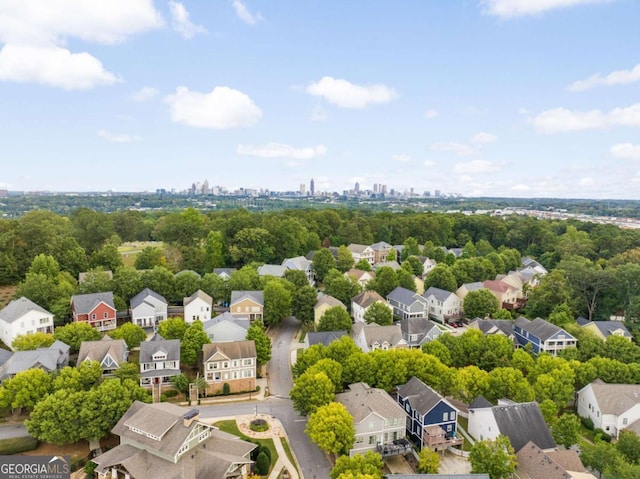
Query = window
x=105 y=315
x=44 y=320
x=93 y=316
x=247 y=362
x=625 y=421
x=235 y=375
x=445 y=416
x=235 y=363
x=247 y=373
x=225 y=365
x=372 y=439
x=452 y=415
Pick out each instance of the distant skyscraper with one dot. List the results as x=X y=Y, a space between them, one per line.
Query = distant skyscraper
x=383 y=189
x=375 y=187
x=312 y=188
x=357 y=188
x=302 y=189
x=437 y=194
x=205 y=187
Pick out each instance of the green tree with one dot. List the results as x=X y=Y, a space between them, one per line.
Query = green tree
x=344 y=261
x=386 y=280
x=257 y=334
x=215 y=250
x=628 y=445
x=128 y=371
x=333 y=370
x=96 y=281
x=413 y=265
x=81 y=378
x=302 y=302
x=73 y=334
x=31 y=341
x=566 y=430
x=506 y=382
x=411 y=248
x=160 y=280
x=494 y=457
x=172 y=328
x=107 y=257
x=216 y=287
x=55 y=418
x=471 y=382
x=331 y=428
x=363 y=265
x=132 y=334
x=406 y=279
x=311 y=391
x=26 y=388
x=428 y=461
x=480 y=304
x=441 y=277
x=296 y=277
x=244 y=279
x=341 y=287
x=277 y=302
x=252 y=245
x=599 y=456
x=322 y=262
x=549 y=410
x=562 y=315
x=369 y=464
x=391 y=256
x=379 y=313
x=194 y=338
x=185 y=284
x=335 y=319
x=263 y=464
x=502 y=314
x=552 y=291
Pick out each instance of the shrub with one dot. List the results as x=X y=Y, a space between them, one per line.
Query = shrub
x=259 y=425
x=267 y=451
x=263 y=464
x=16 y=445
x=89 y=468
x=163 y=397
x=171 y=393
x=226 y=389
x=587 y=422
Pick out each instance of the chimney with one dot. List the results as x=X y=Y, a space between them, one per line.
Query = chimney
x=190 y=416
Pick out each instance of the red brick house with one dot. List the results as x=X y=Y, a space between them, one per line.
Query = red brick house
x=97 y=309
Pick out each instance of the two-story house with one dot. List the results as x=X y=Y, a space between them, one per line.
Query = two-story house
x=96 y=309
x=159 y=361
x=362 y=302
x=197 y=307
x=110 y=353
x=444 y=306
x=300 y=263
x=48 y=359
x=362 y=251
x=369 y=337
x=323 y=303
x=381 y=250
x=22 y=316
x=163 y=440
x=507 y=295
x=605 y=329
x=247 y=304
x=233 y=363
x=501 y=327
x=361 y=277
x=427 y=265
x=432 y=420
x=378 y=420
x=543 y=336
x=407 y=304
x=419 y=331
x=148 y=308
x=227 y=327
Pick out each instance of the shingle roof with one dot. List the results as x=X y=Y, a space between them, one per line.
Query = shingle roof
x=421 y=397
x=17 y=308
x=394 y=265
x=299 y=262
x=367 y=298
x=475 y=286
x=380 y=246
x=220 y=271
x=255 y=296
x=198 y=294
x=497 y=285
x=479 y=403
x=231 y=349
x=357 y=248
x=420 y=326
x=607 y=328
x=403 y=296
x=141 y=297
x=49 y=359
x=157 y=343
x=491 y=326
x=85 y=303
x=329 y=301
x=540 y=328
x=324 y=337
x=615 y=398
x=361 y=400
x=98 y=350
x=358 y=273
x=522 y=423
x=534 y=463
x=374 y=333
x=242 y=321
x=439 y=294
x=275 y=270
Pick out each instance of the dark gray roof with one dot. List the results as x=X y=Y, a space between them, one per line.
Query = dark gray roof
x=157 y=343
x=219 y=271
x=257 y=296
x=242 y=321
x=421 y=397
x=475 y=286
x=421 y=326
x=582 y=321
x=18 y=308
x=479 y=403
x=440 y=294
x=607 y=328
x=488 y=325
x=231 y=349
x=85 y=303
x=49 y=359
x=380 y=245
x=540 y=328
x=522 y=423
x=139 y=298
x=403 y=295
x=4 y=355
x=324 y=337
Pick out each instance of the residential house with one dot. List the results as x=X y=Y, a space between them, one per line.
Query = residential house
x=432 y=419
x=323 y=337
x=603 y=329
x=323 y=303
x=233 y=363
x=197 y=307
x=394 y=265
x=148 y=308
x=96 y=309
x=407 y=304
x=369 y=337
x=419 y=331
x=488 y=327
x=275 y=270
x=529 y=278
x=247 y=304
x=362 y=251
x=534 y=463
x=466 y=288
x=427 y=265
x=163 y=440
x=528 y=262
x=227 y=327
x=508 y=296
x=110 y=353
x=444 y=306
x=611 y=407
x=159 y=360
x=543 y=336
x=48 y=359
x=378 y=420
x=380 y=251
x=362 y=277
x=363 y=301
x=22 y=316
x=520 y=422
x=224 y=273
x=300 y=263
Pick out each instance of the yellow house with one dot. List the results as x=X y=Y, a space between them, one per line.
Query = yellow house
x=604 y=329
x=325 y=302
x=247 y=303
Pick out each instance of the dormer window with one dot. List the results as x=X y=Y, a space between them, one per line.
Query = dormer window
x=159 y=356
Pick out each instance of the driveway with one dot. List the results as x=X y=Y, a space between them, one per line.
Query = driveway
x=452 y=464
x=279 y=368
x=12 y=430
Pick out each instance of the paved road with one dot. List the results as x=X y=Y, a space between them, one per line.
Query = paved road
x=278 y=369
x=12 y=430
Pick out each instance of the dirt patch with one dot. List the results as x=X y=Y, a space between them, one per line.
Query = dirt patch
x=78 y=451
x=6 y=295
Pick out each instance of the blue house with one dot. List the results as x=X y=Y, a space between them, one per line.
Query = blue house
x=432 y=420
x=543 y=336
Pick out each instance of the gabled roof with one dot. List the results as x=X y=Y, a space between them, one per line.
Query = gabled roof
x=299 y=262
x=171 y=347
x=241 y=321
x=98 y=350
x=198 y=295
x=142 y=296
x=420 y=326
x=615 y=398
x=358 y=273
x=374 y=333
x=361 y=400
x=404 y=296
x=381 y=246
x=421 y=397
x=540 y=328
x=607 y=328
x=226 y=271
x=255 y=296
x=493 y=326
x=367 y=298
x=439 y=294
x=394 y=265
x=275 y=270
x=498 y=286
x=17 y=308
x=475 y=286
x=357 y=248
x=522 y=423
x=325 y=299
x=324 y=337
x=85 y=303
x=231 y=349
x=534 y=463
x=479 y=403
x=47 y=358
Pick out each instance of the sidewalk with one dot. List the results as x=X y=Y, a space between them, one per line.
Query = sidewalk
x=260 y=395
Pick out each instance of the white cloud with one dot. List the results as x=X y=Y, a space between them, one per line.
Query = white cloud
x=626 y=151
x=244 y=14
x=584 y=182
x=521 y=187
x=222 y=108
x=619 y=77
x=519 y=8
x=180 y=21
x=561 y=119
x=401 y=158
x=475 y=166
x=118 y=137
x=429 y=163
x=431 y=114
x=318 y=114
x=460 y=149
x=483 y=138
x=349 y=95
x=53 y=66
x=280 y=150
x=144 y=94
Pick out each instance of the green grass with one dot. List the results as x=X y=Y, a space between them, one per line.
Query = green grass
x=287 y=449
x=17 y=445
x=231 y=427
x=463 y=422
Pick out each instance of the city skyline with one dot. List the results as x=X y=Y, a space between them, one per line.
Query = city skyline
x=496 y=98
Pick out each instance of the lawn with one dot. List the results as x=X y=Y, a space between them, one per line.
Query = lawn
x=129 y=251
x=231 y=427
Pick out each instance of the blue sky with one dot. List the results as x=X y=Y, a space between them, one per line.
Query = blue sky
x=523 y=98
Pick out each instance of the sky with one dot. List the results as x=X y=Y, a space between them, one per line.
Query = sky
x=503 y=98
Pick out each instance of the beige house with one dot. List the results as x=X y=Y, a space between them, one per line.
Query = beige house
x=362 y=277
x=380 y=251
x=233 y=363
x=362 y=302
x=325 y=302
x=508 y=297
x=362 y=251
x=247 y=304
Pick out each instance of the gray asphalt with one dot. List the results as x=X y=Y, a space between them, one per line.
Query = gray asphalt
x=278 y=369
x=12 y=430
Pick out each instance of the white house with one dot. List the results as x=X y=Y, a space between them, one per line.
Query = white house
x=611 y=407
x=362 y=302
x=23 y=316
x=197 y=307
x=227 y=327
x=300 y=263
x=362 y=251
x=444 y=306
x=148 y=308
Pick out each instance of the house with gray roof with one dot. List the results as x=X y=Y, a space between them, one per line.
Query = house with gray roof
x=520 y=422
x=528 y=262
x=369 y=337
x=605 y=329
x=444 y=306
x=323 y=337
x=378 y=420
x=197 y=307
x=247 y=304
x=48 y=359
x=466 y=288
x=381 y=250
x=361 y=303
x=227 y=327
x=323 y=303
x=224 y=273
x=233 y=363
x=611 y=407
x=419 y=331
x=22 y=316
x=96 y=309
x=488 y=327
x=166 y=441
x=407 y=304
x=159 y=361
x=275 y=270
x=300 y=263
x=148 y=308
x=110 y=353
x=427 y=265
x=543 y=336
x=394 y=265
x=362 y=251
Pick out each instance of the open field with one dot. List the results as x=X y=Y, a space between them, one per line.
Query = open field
x=129 y=251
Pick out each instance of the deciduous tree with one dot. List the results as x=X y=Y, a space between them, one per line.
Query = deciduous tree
x=132 y=334
x=302 y=302
x=193 y=340
x=480 y=304
x=428 y=461
x=172 y=328
x=73 y=334
x=311 y=391
x=379 y=313
x=322 y=262
x=277 y=302
x=369 y=464
x=566 y=430
x=256 y=332
x=331 y=428
x=335 y=319
x=31 y=341
x=494 y=457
